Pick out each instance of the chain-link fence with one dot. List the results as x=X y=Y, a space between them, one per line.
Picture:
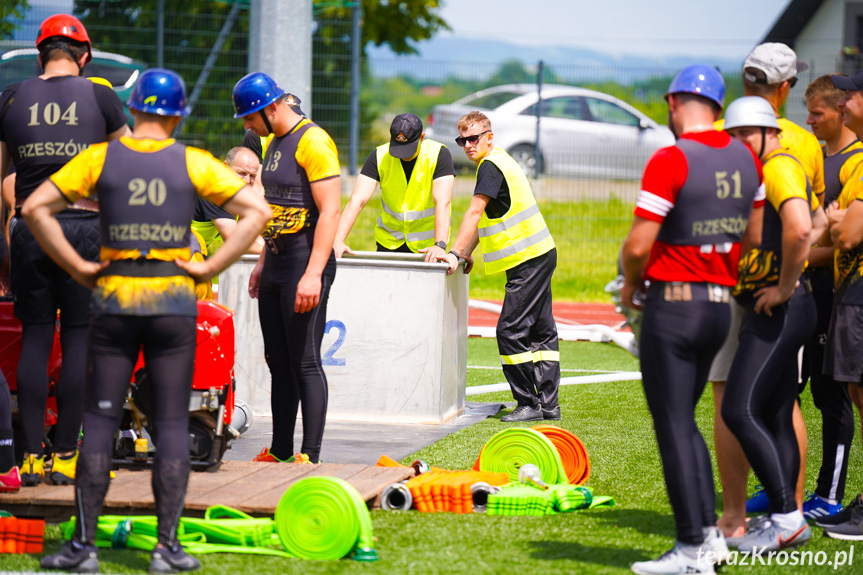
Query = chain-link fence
x=584 y=147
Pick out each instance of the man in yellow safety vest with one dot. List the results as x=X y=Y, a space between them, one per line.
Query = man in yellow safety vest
x=416 y=177
x=505 y=220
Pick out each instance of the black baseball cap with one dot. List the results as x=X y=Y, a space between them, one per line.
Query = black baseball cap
x=854 y=82
x=294 y=103
x=405 y=132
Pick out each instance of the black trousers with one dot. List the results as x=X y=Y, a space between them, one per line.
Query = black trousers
x=114 y=341
x=527 y=334
x=832 y=399
x=678 y=343
x=759 y=397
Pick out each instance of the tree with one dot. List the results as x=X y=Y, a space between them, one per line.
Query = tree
x=11 y=15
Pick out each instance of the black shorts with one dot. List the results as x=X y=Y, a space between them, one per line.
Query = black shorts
x=842 y=356
x=39 y=286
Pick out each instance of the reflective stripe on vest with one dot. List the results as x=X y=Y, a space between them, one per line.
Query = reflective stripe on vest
x=530 y=357
x=521 y=234
x=407 y=207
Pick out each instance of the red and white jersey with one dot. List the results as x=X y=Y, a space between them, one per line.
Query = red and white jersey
x=667 y=172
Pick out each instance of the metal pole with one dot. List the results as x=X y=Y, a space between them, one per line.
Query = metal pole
x=355 y=90
x=211 y=60
x=160 y=34
x=536 y=153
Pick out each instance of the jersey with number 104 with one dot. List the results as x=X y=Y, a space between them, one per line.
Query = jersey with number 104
x=733 y=167
x=45 y=123
x=146 y=191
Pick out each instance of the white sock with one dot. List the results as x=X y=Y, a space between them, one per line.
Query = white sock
x=787 y=520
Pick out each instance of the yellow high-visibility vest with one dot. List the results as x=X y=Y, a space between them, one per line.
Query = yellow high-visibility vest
x=407 y=207
x=520 y=234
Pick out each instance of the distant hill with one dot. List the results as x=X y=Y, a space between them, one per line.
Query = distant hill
x=444 y=56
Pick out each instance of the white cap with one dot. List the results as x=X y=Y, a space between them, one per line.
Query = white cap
x=772 y=63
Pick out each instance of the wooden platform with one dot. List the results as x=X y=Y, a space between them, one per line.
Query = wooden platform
x=248 y=486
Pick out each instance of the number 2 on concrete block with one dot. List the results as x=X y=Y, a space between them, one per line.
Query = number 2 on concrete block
x=328 y=358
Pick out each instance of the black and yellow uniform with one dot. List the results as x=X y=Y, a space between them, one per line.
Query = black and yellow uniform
x=762 y=383
x=292 y=341
x=44 y=124
x=146 y=190
x=831 y=399
x=842 y=356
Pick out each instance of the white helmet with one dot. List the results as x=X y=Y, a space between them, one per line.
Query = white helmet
x=750 y=111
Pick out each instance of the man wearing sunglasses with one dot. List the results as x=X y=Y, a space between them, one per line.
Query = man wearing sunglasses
x=505 y=220
x=416 y=177
x=769 y=71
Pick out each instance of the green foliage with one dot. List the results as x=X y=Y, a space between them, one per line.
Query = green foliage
x=10 y=11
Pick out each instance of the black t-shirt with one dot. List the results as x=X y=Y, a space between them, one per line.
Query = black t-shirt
x=45 y=123
x=206 y=211
x=490 y=182
x=443 y=167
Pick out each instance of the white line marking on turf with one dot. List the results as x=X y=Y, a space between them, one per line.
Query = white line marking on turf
x=498 y=367
x=579 y=380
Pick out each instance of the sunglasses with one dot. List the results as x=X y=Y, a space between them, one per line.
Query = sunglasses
x=792 y=82
x=462 y=140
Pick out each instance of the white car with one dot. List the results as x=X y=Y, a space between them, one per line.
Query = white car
x=582 y=132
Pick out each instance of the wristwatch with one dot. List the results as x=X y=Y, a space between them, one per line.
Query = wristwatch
x=456 y=254
x=441 y=244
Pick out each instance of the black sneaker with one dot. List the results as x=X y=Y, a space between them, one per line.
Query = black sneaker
x=171 y=560
x=851 y=530
x=75 y=557
x=843 y=516
x=523 y=413
x=552 y=414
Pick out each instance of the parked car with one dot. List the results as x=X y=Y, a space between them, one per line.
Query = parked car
x=582 y=132
x=121 y=71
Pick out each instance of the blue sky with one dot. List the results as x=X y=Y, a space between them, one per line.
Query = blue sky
x=726 y=29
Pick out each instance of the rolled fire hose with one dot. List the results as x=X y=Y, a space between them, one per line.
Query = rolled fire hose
x=325 y=518
x=572 y=452
x=511 y=448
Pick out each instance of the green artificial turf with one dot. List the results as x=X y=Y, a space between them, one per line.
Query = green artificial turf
x=613 y=422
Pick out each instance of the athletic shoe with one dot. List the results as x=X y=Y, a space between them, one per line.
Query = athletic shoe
x=675 y=561
x=843 y=516
x=771 y=537
x=714 y=542
x=851 y=530
x=552 y=414
x=268 y=457
x=10 y=482
x=171 y=560
x=63 y=470
x=32 y=471
x=758 y=503
x=73 y=556
x=523 y=413
x=816 y=507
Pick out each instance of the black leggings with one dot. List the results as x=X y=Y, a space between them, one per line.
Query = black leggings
x=169 y=354
x=7 y=452
x=759 y=397
x=292 y=346
x=32 y=380
x=678 y=343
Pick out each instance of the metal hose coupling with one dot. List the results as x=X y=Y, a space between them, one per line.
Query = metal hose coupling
x=529 y=474
x=479 y=494
x=396 y=497
x=420 y=467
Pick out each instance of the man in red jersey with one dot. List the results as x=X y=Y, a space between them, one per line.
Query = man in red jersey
x=700 y=200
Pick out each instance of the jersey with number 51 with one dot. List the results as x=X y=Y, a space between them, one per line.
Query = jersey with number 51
x=45 y=123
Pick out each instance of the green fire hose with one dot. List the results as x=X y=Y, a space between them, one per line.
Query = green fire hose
x=511 y=448
x=325 y=518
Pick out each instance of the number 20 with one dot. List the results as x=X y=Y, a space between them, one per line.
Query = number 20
x=154 y=190
x=723 y=187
